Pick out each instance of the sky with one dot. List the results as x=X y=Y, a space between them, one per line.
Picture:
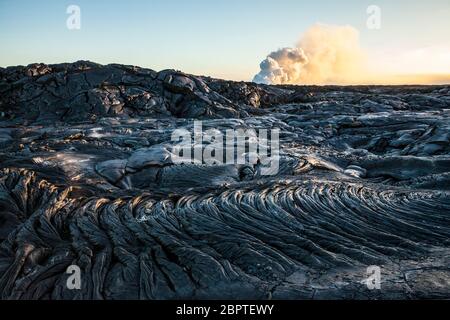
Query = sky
x=221 y=38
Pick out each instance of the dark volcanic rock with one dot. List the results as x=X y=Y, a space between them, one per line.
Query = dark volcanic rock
x=84 y=91
x=87 y=179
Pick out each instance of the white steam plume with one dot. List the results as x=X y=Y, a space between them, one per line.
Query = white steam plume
x=325 y=54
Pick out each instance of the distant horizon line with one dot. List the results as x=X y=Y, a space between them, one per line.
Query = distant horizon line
x=437 y=79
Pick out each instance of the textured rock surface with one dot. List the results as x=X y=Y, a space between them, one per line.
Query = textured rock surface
x=86 y=179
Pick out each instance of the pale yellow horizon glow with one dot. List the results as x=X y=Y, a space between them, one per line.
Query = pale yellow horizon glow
x=401 y=79
x=426 y=65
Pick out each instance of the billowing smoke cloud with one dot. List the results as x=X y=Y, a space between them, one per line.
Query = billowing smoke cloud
x=325 y=54
x=282 y=66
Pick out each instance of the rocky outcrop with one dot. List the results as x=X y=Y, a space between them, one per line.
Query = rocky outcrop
x=85 y=91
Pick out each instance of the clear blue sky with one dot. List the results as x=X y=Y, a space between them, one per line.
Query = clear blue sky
x=225 y=38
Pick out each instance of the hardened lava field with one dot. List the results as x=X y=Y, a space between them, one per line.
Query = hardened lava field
x=85 y=180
